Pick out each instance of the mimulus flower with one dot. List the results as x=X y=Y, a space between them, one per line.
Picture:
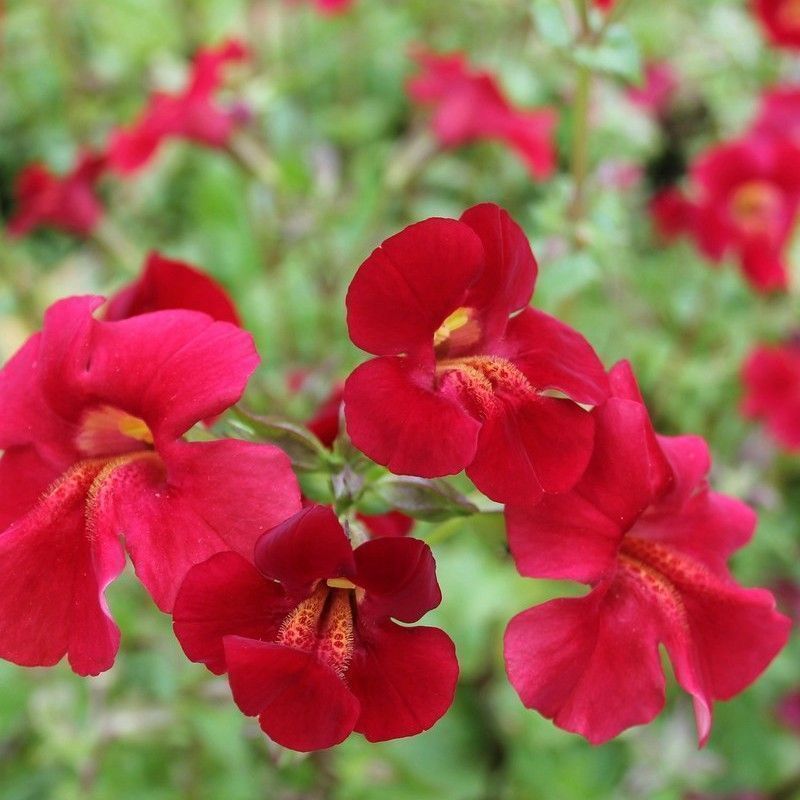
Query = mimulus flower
x=67 y=202
x=672 y=213
x=771 y=377
x=469 y=106
x=166 y=284
x=462 y=380
x=307 y=638
x=747 y=195
x=657 y=90
x=779 y=113
x=645 y=531
x=780 y=20
x=191 y=114
x=93 y=418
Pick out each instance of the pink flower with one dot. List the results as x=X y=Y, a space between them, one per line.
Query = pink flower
x=307 y=638
x=658 y=89
x=469 y=106
x=780 y=20
x=788 y=711
x=645 y=531
x=166 y=284
x=94 y=414
x=771 y=377
x=191 y=114
x=779 y=113
x=67 y=202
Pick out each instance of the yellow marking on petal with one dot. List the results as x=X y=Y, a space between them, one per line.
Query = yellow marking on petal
x=107 y=431
x=340 y=583
x=458 y=319
x=756 y=205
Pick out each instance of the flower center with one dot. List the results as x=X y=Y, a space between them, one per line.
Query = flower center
x=109 y=431
x=323 y=624
x=483 y=381
x=789 y=15
x=459 y=329
x=756 y=205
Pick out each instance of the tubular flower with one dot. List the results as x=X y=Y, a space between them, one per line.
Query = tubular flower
x=166 y=284
x=672 y=213
x=191 y=114
x=325 y=426
x=459 y=382
x=469 y=106
x=747 y=198
x=92 y=425
x=779 y=113
x=306 y=636
x=67 y=202
x=645 y=531
x=780 y=20
x=771 y=377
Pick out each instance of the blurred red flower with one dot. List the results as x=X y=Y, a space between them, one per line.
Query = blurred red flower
x=644 y=530
x=461 y=379
x=657 y=90
x=67 y=202
x=771 y=377
x=469 y=106
x=307 y=638
x=333 y=6
x=93 y=418
x=780 y=20
x=191 y=114
x=671 y=212
x=788 y=711
x=166 y=284
x=744 y=202
x=779 y=113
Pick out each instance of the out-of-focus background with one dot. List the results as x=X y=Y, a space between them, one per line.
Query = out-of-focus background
x=334 y=158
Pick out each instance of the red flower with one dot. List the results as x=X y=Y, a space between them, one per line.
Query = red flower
x=659 y=87
x=747 y=198
x=92 y=425
x=166 y=284
x=307 y=637
x=643 y=528
x=672 y=213
x=771 y=376
x=604 y=5
x=779 y=113
x=325 y=426
x=192 y=114
x=788 y=711
x=333 y=6
x=469 y=106
x=780 y=20
x=66 y=202
x=459 y=382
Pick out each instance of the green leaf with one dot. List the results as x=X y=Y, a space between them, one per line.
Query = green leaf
x=617 y=55
x=422 y=498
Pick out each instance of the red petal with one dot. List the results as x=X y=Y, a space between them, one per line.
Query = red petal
x=305 y=548
x=386 y=525
x=563 y=537
x=225 y=595
x=399 y=576
x=216 y=496
x=395 y=416
x=404 y=679
x=552 y=355
x=54 y=572
x=166 y=284
x=404 y=291
x=170 y=368
x=544 y=444
x=590 y=664
x=24 y=478
x=509 y=275
x=302 y=704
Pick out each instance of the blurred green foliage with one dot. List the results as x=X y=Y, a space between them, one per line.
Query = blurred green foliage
x=338 y=136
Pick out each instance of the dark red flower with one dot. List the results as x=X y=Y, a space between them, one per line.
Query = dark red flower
x=780 y=20
x=325 y=426
x=672 y=213
x=779 y=113
x=645 y=531
x=191 y=114
x=469 y=106
x=746 y=198
x=93 y=418
x=460 y=382
x=604 y=5
x=67 y=202
x=771 y=377
x=166 y=284
x=307 y=636
x=657 y=90
x=788 y=711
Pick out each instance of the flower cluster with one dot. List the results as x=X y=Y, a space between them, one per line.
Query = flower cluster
x=70 y=202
